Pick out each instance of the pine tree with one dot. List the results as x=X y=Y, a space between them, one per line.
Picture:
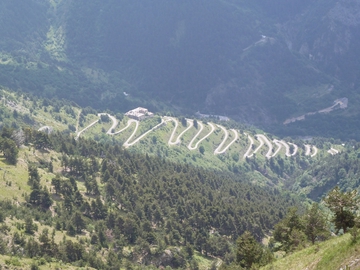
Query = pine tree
x=9 y=150
x=78 y=222
x=56 y=182
x=315 y=223
x=29 y=225
x=248 y=251
x=343 y=205
x=289 y=231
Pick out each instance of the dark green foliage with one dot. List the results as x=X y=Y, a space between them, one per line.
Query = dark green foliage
x=29 y=225
x=315 y=226
x=9 y=142
x=78 y=222
x=169 y=180
x=32 y=248
x=144 y=202
x=10 y=150
x=183 y=121
x=74 y=251
x=47 y=245
x=50 y=167
x=34 y=177
x=113 y=262
x=344 y=206
x=19 y=239
x=56 y=182
x=131 y=229
x=249 y=251
x=41 y=140
x=70 y=230
x=339 y=170
x=104 y=118
x=40 y=198
x=290 y=231
x=34 y=266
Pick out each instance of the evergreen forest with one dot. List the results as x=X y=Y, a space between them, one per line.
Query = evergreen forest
x=197 y=135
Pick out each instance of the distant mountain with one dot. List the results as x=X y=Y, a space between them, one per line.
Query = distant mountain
x=260 y=62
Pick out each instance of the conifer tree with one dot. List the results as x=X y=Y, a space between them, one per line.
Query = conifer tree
x=343 y=205
x=9 y=150
x=248 y=251
x=315 y=223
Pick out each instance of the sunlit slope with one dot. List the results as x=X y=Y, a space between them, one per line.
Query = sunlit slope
x=334 y=254
x=196 y=138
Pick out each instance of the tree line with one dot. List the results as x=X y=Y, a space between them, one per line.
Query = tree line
x=134 y=200
x=299 y=230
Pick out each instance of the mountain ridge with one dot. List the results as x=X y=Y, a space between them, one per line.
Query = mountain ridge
x=181 y=60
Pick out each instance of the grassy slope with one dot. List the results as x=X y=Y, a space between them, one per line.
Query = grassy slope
x=334 y=254
x=61 y=119
x=16 y=192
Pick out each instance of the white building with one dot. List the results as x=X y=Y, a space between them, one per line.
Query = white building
x=139 y=114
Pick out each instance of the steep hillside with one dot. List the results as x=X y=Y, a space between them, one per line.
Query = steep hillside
x=262 y=158
x=341 y=169
x=79 y=203
x=334 y=254
x=260 y=62
x=183 y=211
x=326 y=33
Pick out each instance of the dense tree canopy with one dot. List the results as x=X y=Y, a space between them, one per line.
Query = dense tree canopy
x=129 y=199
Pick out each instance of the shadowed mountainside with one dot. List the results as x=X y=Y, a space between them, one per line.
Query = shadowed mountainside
x=260 y=62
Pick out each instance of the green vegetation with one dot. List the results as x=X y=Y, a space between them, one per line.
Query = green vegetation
x=344 y=206
x=335 y=253
x=124 y=206
x=264 y=75
x=22 y=110
x=301 y=239
x=78 y=193
x=249 y=253
x=156 y=203
x=341 y=169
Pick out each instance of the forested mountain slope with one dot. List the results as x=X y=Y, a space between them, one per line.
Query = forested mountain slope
x=341 y=170
x=260 y=62
x=207 y=143
x=261 y=157
x=164 y=210
x=91 y=204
